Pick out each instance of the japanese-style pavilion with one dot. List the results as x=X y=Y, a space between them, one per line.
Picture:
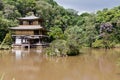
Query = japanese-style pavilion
x=29 y=33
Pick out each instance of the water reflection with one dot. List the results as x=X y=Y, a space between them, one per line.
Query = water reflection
x=20 y=53
x=33 y=65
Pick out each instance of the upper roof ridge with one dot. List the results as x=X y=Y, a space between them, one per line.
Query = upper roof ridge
x=31 y=17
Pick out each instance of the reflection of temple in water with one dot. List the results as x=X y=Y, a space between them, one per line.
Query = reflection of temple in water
x=20 y=54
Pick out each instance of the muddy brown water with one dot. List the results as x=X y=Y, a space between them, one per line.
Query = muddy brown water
x=32 y=65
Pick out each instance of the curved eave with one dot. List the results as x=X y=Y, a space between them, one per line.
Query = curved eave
x=26 y=28
x=28 y=18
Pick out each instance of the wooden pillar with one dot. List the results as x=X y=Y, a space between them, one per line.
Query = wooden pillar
x=21 y=40
x=39 y=40
x=28 y=46
x=25 y=40
x=14 y=39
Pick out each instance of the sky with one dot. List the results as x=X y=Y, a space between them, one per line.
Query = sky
x=88 y=5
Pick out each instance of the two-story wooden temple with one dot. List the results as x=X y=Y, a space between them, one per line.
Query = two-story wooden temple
x=29 y=33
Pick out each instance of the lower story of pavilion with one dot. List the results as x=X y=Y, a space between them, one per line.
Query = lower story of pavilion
x=30 y=41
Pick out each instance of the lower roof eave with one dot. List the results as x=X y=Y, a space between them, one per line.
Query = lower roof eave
x=30 y=36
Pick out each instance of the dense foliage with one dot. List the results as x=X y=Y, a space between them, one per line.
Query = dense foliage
x=99 y=30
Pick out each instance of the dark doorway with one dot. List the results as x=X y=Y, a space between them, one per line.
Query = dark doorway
x=36 y=32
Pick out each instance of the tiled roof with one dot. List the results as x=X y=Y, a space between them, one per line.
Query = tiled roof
x=32 y=17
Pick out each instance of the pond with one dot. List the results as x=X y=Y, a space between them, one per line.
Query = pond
x=33 y=65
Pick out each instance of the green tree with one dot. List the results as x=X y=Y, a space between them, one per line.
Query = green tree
x=7 y=40
x=87 y=24
x=56 y=33
x=4 y=27
x=1 y=5
x=25 y=6
x=74 y=35
x=10 y=12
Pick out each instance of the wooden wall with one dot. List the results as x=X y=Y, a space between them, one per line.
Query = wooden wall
x=27 y=32
x=32 y=23
x=25 y=23
x=35 y=23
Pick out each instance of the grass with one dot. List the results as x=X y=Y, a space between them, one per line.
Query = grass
x=2 y=77
x=5 y=47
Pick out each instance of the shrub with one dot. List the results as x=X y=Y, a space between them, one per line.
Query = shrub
x=62 y=48
x=103 y=44
x=57 y=48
